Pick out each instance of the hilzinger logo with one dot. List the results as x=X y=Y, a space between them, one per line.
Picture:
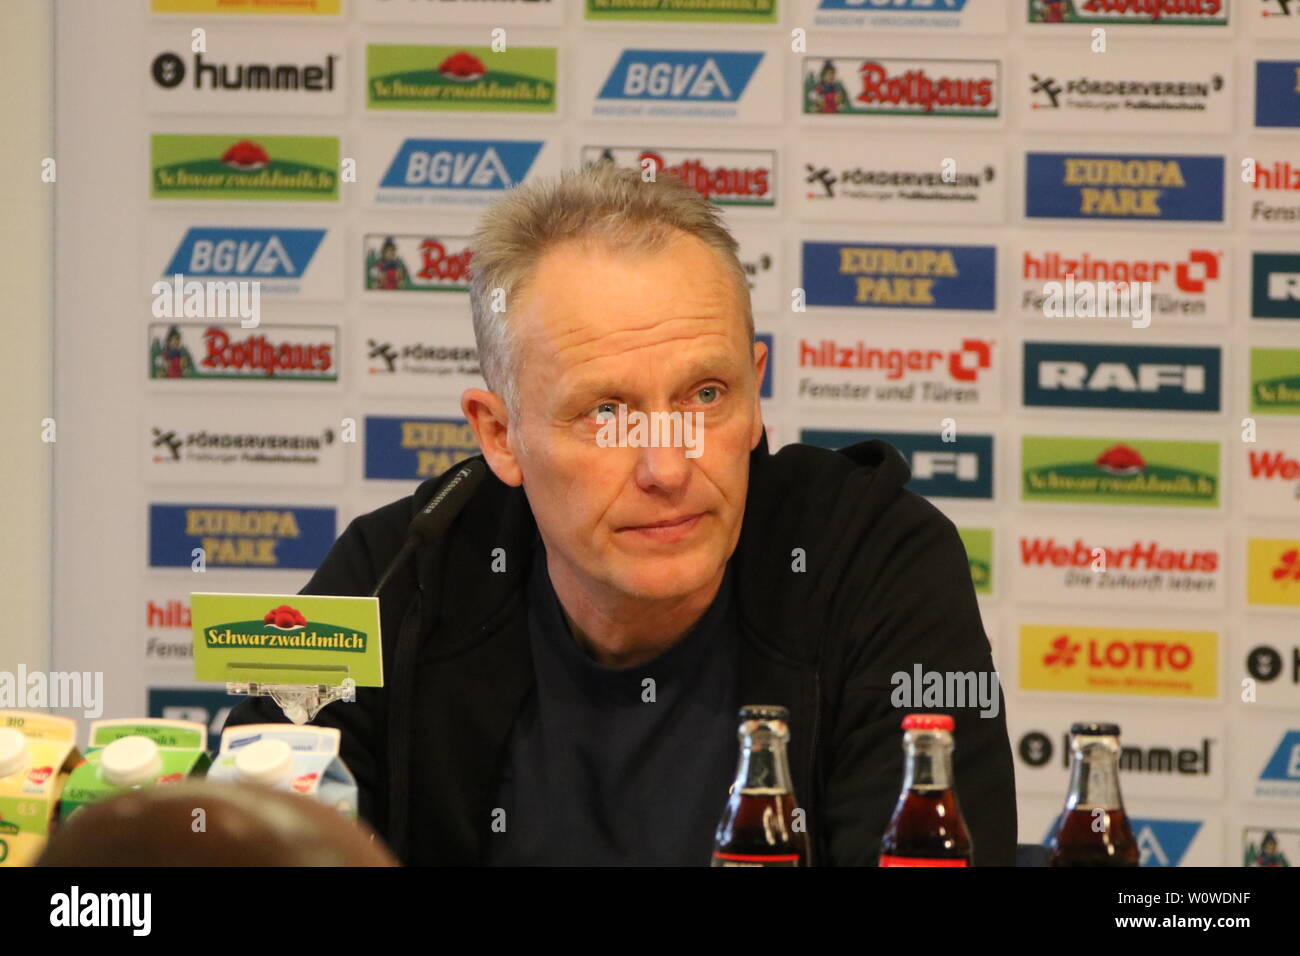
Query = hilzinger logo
x=963 y=364
x=638 y=429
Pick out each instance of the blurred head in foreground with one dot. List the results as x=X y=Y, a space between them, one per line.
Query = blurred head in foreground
x=196 y=823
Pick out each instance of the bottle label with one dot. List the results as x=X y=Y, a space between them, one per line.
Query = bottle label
x=755 y=859
x=918 y=861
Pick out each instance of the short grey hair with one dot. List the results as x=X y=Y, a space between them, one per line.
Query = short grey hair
x=609 y=204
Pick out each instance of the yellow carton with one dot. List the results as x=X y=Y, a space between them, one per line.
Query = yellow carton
x=37 y=752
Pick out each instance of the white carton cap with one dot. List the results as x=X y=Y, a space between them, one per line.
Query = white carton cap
x=13 y=751
x=267 y=761
x=130 y=761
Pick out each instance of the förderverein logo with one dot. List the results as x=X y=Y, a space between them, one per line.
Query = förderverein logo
x=518 y=79
x=1120 y=471
x=301 y=168
x=885 y=86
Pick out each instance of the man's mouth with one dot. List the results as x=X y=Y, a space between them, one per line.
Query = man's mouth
x=669 y=530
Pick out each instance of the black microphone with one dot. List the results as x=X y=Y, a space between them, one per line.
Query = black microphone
x=435 y=517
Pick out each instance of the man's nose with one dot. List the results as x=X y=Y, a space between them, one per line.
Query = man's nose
x=665 y=468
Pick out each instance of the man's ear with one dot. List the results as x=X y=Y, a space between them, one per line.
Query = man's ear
x=486 y=414
x=760 y=368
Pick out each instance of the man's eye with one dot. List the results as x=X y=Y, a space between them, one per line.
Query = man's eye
x=605 y=410
x=709 y=394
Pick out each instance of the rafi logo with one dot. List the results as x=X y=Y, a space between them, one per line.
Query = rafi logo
x=681 y=76
x=1113 y=660
x=406 y=449
x=1081 y=375
x=958 y=469
x=260 y=537
x=1273 y=572
x=1126 y=472
x=1150 y=12
x=461 y=164
x=414 y=263
x=244 y=253
x=852 y=86
x=1277 y=93
x=1281 y=774
x=1274 y=285
x=1275 y=381
x=1124 y=187
x=885 y=276
x=726 y=177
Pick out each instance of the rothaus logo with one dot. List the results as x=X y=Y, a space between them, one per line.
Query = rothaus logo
x=683 y=76
x=460 y=164
x=245 y=252
x=1035 y=749
x=1077 y=374
x=169 y=71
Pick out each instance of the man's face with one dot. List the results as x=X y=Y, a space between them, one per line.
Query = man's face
x=655 y=333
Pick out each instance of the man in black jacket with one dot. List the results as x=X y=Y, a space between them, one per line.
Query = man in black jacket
x=564 y=667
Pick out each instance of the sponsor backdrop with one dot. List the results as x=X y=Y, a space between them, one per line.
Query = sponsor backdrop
x=1049 y=249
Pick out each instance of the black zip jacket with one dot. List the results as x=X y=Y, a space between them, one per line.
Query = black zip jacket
x=843 y=579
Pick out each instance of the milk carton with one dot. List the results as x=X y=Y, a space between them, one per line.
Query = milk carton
x=37 y=751
x=300 y=758
x=135 y=752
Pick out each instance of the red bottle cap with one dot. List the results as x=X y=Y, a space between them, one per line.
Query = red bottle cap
x=927 y=722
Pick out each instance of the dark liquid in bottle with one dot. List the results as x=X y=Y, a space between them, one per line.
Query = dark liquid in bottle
x=757 y=830
x=927 y=826
x=1075 y=843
